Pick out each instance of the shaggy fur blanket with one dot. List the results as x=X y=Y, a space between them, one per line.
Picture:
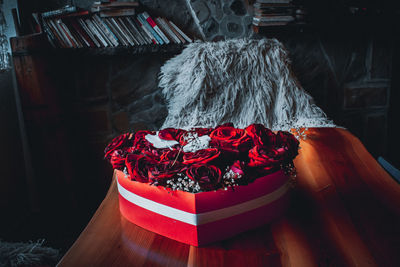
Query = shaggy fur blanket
x=240 y=81
x=27 y=254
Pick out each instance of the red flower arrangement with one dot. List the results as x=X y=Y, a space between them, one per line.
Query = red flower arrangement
x=202 y=159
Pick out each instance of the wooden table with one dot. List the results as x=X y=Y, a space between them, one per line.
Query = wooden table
x=345 y=212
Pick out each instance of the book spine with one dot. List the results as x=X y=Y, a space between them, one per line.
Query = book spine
x=153 y=40
x=100 y=31
x=168 y=31
x=60 y=39
x=165 y=30
x=174 y=31
x=274 y=1
x=115 y=4
x=114 y=31
x=71 y=34
x=138 y=26
x=127 y=32
x=86 y=39
x=37 y=25
x=151 y=22
x=105 y=29
x=64 y=10
x=120 y=32
x=66 y=39
x=90 y=25
x=181 y=32
x=95 y=34
x=116 y=13
x=89 y=32
x=150 y=29
x=134 y=31
x=76 y=36
x=50 y=35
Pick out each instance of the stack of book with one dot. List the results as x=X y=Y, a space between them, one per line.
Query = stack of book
x=107 y=25
x=114 y=9
x=273 y=12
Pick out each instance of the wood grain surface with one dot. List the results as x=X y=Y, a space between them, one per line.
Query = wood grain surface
x=344 y=212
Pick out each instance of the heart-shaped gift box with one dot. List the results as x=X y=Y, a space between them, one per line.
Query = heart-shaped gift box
x=201 y=185
x=202 y=218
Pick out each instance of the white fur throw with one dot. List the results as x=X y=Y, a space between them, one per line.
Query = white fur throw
x=241 y=81
x=27 y=254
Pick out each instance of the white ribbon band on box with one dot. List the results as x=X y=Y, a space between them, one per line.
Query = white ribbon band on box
x=206 y=217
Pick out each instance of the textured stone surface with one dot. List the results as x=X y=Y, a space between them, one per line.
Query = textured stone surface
x=231 y=26
x=211 y=27
x=310 y=67
x=238 y=7
x=219 y=18
x=149 y=110
x=202 y=11
x=134 y=86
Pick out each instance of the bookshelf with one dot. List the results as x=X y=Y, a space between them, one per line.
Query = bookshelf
x=45 y=75
x=282 y=29
x=105 y=51
x=120 y=51
x=108 y=28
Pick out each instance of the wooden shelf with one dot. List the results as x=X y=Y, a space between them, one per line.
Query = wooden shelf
x=123 y=50
x=282 y=30
x=38 y=44
x=290 y=26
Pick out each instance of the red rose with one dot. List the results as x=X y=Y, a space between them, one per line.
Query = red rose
x=119 y=142
x=165 y=170
x=138 y=167
x=201 y=156
x=152 y=153
x=288 y=142
x=238 y=167
x=171 y=134
x=201 y=131
x=230 y=137
x=227 y=133
x=140 y=141
x=260 y=135
x=266 y=159
x=117 y=159
x=172 y=155
x=130 y=163
x=208 y=176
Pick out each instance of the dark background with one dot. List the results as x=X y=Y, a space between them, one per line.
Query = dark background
x=345 y=56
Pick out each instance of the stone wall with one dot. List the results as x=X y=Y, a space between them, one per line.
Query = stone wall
x=221 y=19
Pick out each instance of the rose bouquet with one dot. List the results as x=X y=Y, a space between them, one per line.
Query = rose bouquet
x=202 y=159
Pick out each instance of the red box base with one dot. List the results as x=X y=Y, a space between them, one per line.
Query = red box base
x=202 y=218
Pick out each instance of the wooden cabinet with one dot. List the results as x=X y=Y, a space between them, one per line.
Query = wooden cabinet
x=66 y=134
